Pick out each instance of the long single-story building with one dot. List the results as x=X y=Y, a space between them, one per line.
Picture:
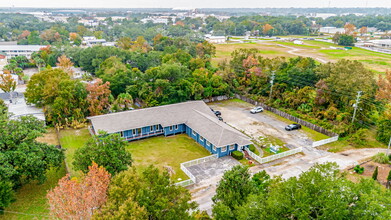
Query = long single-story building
x=194 y=118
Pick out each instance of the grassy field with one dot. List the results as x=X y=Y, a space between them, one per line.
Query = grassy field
x=71 y=140
x=166 y=151
x=223 y=51
x=343 y=144
x=31 y=200
x=375 y=61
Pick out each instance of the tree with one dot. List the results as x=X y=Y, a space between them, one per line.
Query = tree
x=384 y=87
x=98 y=97
x=125 y=43
x=346 y=40
x=7 y=83
x=388 y=185
x=232 y=191
x=146 y=195
x=266 y=29
x=123 y=102
x=7 y=194
x=349 y=29
x=65 y=64
x=336 y=37
x=108 y=150
x=79 y=198
x=322 y=192
x=375 y=173
x=22 y=158
x=363 y=30
x=64 y=99
x=33 y=38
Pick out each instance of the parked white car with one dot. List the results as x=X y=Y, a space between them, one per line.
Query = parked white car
x=256 y=110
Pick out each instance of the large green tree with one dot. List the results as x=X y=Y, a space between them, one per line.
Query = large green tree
x=63 y=98
x=322 y=192
x=146 y=195
x=22 y=158
x=232 y=191
x=107 y=150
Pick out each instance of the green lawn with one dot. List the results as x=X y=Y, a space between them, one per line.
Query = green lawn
x=166 y=151
x=267 y=152
x=31 y=202
x=71 y=140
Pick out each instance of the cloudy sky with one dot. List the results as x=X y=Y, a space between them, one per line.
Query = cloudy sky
x=193 y=3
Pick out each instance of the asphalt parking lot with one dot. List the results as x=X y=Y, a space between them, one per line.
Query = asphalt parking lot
x=259 y=125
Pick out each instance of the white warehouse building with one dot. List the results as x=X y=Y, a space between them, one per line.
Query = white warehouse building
x=20 y=50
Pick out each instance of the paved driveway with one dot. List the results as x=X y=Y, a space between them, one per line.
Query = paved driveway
x=260 y=124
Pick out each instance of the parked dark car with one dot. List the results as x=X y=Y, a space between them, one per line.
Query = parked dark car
x=292 y=127
x=217 y=113
x=220 y=118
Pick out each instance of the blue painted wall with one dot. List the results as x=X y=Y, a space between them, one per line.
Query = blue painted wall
x=181 y=129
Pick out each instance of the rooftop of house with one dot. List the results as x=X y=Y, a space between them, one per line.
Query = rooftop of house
x=195 y=114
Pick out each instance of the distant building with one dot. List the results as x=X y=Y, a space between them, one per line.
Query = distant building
x=19 y=50
x=216 y=39
x=90 y=41
x=3 y=61
x=331 y=30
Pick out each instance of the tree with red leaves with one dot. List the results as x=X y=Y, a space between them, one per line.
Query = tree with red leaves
x=80 y=198
x=98 y=97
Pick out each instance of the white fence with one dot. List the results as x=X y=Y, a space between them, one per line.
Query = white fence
x=190 y=163
x=325 y=141
x=262 y=160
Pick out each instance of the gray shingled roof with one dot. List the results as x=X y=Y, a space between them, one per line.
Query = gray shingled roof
x=195 y=114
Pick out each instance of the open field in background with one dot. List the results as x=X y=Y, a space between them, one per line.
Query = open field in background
x=164 y=152
x=223 y=51
x=31 y=200
x=375 y=61
x=71 y=140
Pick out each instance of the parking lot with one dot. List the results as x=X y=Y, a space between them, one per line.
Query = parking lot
x=260 y=126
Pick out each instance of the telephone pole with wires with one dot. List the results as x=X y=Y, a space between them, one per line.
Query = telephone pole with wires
x=356 y=105
x=272 y=83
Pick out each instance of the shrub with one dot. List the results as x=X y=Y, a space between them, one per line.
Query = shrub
x=375 y=173
x=252 y=148
x=237 y=155
x=359 y=169
x=381 y=158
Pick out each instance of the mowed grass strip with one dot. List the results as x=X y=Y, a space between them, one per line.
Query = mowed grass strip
x=71 y=140
x=166 y=151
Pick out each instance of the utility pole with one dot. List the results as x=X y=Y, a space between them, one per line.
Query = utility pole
x=272 y=83
x=356 y=105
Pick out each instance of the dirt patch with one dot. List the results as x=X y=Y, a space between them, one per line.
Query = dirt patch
x=383 y=170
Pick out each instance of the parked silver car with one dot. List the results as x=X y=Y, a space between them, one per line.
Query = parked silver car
x=256 y=110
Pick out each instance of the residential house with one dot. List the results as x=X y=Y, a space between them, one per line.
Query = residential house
x=194 y=118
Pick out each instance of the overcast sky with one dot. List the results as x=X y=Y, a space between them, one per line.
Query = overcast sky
x=193 y=3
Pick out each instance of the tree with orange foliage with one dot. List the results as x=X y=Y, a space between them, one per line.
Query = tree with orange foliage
x=7 y=83
x=24 y=34
x=266 y=28
x=65 y=64
x=79 y=199
x=98 y=97
x=349 y=29
x=384 y=84
x=141 y=45
x=363 y=30
x=180 y=23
